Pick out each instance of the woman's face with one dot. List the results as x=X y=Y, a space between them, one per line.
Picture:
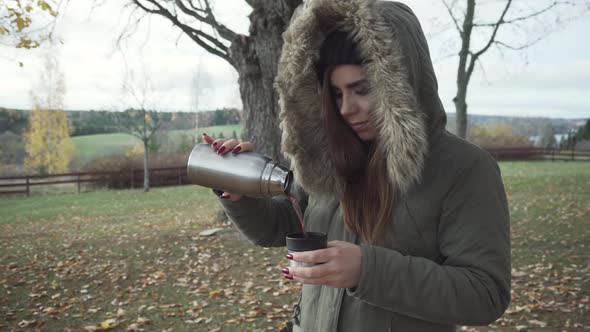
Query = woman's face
x=350 y=89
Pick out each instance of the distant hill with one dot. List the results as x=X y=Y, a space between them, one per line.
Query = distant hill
x=103 y=122
x=524 y=126
x=100 y=121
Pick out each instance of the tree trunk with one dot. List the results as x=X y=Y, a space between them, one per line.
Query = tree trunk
x=464 y=70
x=256 y=59
x=461 y=110
x=146 y=168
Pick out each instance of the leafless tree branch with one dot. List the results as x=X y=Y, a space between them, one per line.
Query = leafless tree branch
x=450 y=10
x=520 y=47
x=205 y=15
x=210 y=43
x=554 y=4
x=494 y=33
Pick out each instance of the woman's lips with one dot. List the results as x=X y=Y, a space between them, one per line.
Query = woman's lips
x=359 y=126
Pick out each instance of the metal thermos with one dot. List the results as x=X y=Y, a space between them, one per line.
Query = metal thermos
x=246 y=173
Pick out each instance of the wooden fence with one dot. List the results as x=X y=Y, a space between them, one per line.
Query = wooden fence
x=168 y=176
x=532 y=153
x=165 y=176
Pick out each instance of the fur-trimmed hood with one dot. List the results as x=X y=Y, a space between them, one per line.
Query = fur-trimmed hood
x=406 y=110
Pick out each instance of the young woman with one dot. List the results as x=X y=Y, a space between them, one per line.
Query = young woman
x=417 y=218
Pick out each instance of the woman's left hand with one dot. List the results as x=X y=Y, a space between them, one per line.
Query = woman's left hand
x=339 y=266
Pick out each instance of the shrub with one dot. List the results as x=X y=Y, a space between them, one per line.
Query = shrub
x=126 y=171
x=499 y=135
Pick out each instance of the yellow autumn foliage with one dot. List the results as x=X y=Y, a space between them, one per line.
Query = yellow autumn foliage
x=135 y=150
x=47 y=142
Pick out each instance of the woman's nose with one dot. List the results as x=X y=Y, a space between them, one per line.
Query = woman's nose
x=348 y=107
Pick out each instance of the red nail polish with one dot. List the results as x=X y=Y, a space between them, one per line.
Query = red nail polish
x=224 y=196
x=289 y=256
x=221 y=150
x=214 y=144
x=205 y=134
x=285 y=271
x=237 y=149
x=288 y=277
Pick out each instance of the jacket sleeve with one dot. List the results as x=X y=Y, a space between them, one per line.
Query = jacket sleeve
x=472 y=285
x=266 y=221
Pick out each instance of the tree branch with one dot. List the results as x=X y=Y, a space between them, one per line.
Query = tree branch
x=208 y=18
x=450 y=10
x=494 y=33
x=526 y=17
x=518 y=48
x=209 y=43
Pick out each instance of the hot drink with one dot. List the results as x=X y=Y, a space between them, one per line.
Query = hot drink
x=297 y=209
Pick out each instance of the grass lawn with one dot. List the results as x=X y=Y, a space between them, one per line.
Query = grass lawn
x=129 y=259
x=90 y=147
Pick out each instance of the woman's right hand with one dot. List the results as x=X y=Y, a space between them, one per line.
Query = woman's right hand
x=222 y=146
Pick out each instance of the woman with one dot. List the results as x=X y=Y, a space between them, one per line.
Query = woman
x=417 y=218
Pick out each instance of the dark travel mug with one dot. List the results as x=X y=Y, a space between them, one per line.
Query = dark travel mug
x=309 y=241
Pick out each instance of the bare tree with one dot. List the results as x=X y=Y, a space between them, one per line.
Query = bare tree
x=200 y=86
x=254 y=56
x=514 y=16
x=141 y=121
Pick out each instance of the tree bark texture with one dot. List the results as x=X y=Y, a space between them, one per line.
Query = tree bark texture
x=256 y=58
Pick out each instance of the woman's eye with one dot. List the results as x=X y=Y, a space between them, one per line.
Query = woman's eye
x=363 y=91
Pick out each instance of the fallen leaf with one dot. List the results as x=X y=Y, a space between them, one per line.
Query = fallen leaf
x=108 y=324
x=142 y=320
x=538 y=323
x=215 y=293
x=132 y=328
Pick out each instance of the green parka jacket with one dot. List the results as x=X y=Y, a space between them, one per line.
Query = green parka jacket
x=447 y=262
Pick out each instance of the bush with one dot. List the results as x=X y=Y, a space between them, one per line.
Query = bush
x=496 y=136
x=127 y=170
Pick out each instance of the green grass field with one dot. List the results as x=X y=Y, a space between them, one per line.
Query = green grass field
x=90 y=147
x=95 y=146
x=75 y=261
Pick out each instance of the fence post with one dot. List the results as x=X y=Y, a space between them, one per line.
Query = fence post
x=78 y=182
x=132 y=178
x=28 y=186
x=573 y=153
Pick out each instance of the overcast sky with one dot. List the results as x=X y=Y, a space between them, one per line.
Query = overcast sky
x=551 y=79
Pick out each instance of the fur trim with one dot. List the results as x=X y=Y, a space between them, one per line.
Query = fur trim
x=401 y=127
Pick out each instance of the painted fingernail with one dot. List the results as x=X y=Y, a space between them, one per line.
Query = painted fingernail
x=224 y=196
x=236 y=149
x=221 y=150
x=215 y=144
x=285 y=271
x=288 y=277
x=205 y=134
x=289 y=256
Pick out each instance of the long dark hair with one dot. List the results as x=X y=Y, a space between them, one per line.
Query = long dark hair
x=368 y=196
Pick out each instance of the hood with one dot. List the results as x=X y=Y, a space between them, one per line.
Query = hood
x=406 y=109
